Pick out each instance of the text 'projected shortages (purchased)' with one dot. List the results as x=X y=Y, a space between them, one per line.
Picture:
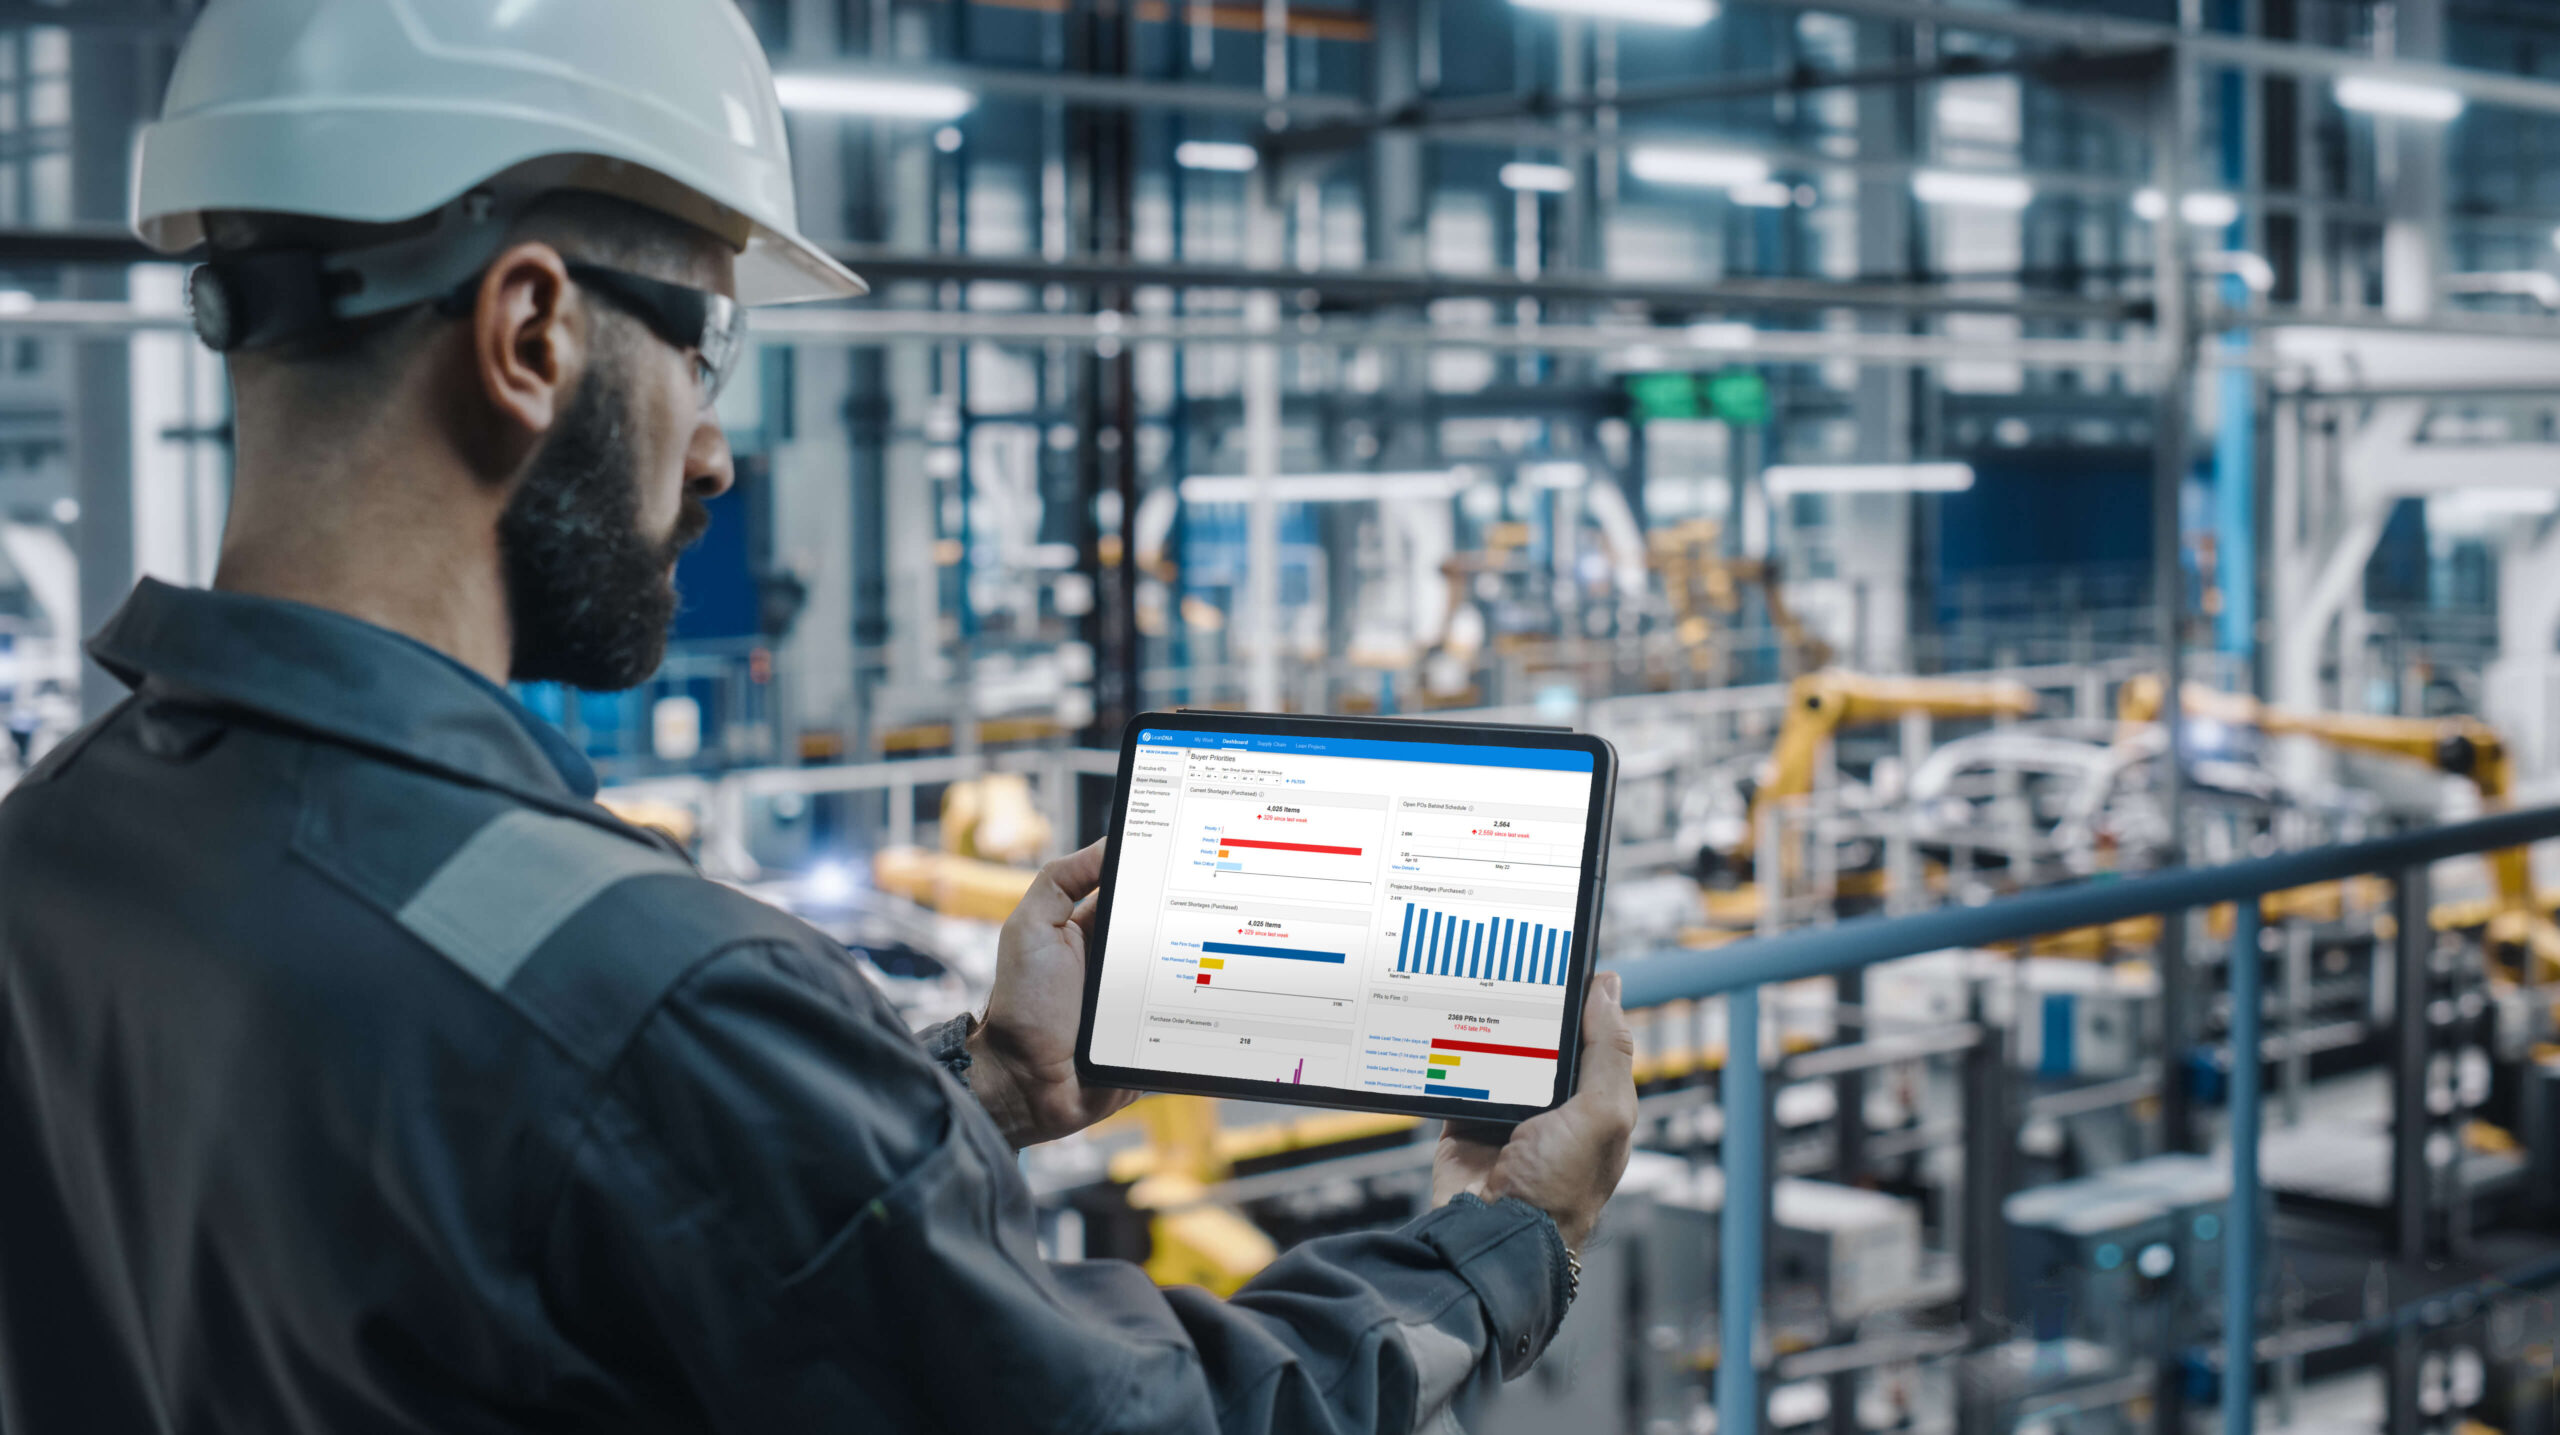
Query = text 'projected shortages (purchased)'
x=1478 y=933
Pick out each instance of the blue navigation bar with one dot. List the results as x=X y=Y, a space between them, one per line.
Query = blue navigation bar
x=1457 y=753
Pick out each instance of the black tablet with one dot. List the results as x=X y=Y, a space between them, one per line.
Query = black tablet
x=1384 y=915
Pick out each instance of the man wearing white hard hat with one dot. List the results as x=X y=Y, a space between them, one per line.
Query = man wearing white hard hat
x=357 y=1070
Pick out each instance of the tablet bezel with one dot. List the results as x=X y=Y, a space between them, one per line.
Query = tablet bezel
x=1595 y=851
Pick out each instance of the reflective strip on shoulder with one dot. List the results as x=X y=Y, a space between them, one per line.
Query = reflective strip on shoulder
x=505 y=891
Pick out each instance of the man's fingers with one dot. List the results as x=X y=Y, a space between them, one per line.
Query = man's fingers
x=1488 y=1134
x=1060 y=885
x=1608 y=1040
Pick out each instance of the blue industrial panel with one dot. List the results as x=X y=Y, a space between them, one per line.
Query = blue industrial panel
x=717 y=576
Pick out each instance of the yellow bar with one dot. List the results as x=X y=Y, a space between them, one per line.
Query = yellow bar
x=1214 y=964
x=1439 y=1058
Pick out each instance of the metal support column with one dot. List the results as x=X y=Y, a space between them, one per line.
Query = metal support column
x=106 y=93
x=1988 y=1136
x=2401 y=1379
x=1849 y=1088
x=1849 y=1133
x=1265 y=220
x=2172 y=281
x=2242 y=1242
x=1746 y=1182
x=2410 y=1186
x=2297 y=1008
x=902 y=165
x=2173 y=291
x=1105 y=144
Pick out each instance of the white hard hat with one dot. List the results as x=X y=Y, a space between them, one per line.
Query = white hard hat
x=382 y=111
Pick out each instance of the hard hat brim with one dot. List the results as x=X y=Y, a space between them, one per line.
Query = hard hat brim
x=196 y=161
x=787 y=269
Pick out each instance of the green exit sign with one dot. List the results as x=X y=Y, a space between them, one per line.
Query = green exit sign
x=1666 y=396
x=1737 y=396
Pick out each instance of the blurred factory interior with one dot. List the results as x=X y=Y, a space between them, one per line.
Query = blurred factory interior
x=1866 y=414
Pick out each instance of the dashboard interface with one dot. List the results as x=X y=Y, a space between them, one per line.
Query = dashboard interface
x=1374 y=916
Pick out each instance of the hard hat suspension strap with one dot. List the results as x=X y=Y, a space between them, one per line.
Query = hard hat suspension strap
x=270 y=296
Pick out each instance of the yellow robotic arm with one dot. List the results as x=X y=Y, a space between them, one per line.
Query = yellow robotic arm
x=2462 y=746
x=1820 y=704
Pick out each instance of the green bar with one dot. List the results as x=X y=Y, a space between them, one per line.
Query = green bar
x=1438 y=1073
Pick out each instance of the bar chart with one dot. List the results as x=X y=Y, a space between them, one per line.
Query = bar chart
x=1432 y=942
x=1448 y=1055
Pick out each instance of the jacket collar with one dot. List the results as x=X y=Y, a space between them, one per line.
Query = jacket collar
x=330 y=674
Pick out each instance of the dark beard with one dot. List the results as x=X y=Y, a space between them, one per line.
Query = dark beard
x=589 y=593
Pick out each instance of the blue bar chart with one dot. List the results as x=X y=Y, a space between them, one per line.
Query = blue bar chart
x=1250 y=949
x=1501 y=949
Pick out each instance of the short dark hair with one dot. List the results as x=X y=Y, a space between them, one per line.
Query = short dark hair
x=355 y=355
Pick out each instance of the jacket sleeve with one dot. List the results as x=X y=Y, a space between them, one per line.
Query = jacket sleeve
x=786 y=1208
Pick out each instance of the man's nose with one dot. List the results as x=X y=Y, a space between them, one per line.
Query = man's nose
x=709 y=467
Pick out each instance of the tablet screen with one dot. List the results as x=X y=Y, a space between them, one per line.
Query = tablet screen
x=1373 y=916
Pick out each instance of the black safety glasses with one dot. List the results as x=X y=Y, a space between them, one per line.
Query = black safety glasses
x=712 y=328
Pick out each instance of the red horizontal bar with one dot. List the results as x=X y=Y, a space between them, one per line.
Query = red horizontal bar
x=1442 y=1043
x=1288 y=846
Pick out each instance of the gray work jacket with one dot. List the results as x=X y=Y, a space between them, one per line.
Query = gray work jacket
x=358 y=1073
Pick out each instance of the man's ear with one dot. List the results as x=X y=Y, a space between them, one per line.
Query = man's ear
x=529 y=339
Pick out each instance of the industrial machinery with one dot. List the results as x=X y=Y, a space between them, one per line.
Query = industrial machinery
x=2067 y=800
x=2519 y=924
x=1705 y=588
x=1820 y=705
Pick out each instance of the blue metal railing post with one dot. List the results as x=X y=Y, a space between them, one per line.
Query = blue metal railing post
x=2240 y=1234
x=1745 y=1178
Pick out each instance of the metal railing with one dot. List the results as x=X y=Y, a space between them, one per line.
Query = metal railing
x=1738 y=972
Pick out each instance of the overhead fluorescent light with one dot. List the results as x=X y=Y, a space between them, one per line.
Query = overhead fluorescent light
x=1712 y=168
x=2398 y=98
x=869 y=95
x=1791 y=478
x=1977 y=115
x=1723 y=334
x=1972 y=191
x=2204 y=209
x=1686 y=14
x=2473 y=509
x=1223 y=155
x=1537 y=178
x=2513 y=501
x=1326 y=487
x=1764 y=194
